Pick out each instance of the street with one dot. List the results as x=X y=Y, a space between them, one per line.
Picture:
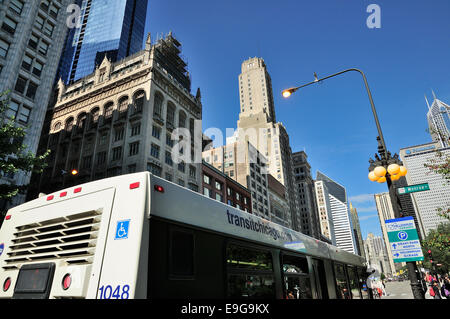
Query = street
x=400 y=290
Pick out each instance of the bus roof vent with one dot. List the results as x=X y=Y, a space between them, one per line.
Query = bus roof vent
x=71 y=238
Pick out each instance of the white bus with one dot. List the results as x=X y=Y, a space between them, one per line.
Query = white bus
x=139 y=236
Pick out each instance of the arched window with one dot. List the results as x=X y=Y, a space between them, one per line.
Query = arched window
x=139 y=98
x=170 y=113
x=81 y=122
x=158 y=105
x=108 y=110
x=95 y=113
x=182 y=119
x=123 y=103
x=57 y=126
x=69 y=124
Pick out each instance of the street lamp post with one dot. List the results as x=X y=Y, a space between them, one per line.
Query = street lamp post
x=386 y=168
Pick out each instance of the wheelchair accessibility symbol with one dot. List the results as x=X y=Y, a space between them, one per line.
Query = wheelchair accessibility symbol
x=122 y=229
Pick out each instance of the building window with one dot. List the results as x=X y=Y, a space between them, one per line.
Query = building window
x=132 y=168
x=86 y=162
x=219 y=197
x=43 y=48
x=27 y=62
x=4 y=47
x=136 y=129
x=134 y=148
x=16 y=6
x=37 y=68
x=20 y=85
x=156 y=132
x=31 y=91
x=206 y=179
x=117 y=153
x=9 y=25
x=182 y=167
x=180 y=182
x=170 y=113
x=206 y=191
x=169 y=160
x=157 y=105
x=218 y=186
x=24 y=114
x=154 y=169
x=154 y=151
x=169 y=177
x=12 y=110
x=118 y=134
x=192 y=171
x=101 y=158
x=169 y=141
x=33 y=42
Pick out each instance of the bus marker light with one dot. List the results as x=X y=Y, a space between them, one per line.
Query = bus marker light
x=8 y=217
x=50 y=197
x=159 y=189
x=77 y=190
x=7 y=284
x=134 y=185
x=67 y=281
x=63 y=194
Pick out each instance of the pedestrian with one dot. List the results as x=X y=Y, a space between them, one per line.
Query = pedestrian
x=446 y=287
x=436 y=292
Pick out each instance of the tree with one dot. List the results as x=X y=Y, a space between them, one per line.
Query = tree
x=438 y=242
x=14 y=156
x=440 y=164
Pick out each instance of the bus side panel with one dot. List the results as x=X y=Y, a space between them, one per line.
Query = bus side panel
x=121 y=261
x=208 y=279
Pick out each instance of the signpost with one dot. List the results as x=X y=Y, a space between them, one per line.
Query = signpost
x=404 y=240
x=413 y=189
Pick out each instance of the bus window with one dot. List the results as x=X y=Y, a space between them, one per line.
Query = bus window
x=362 y=283
x=250 y=273
x=341 y=282
x=181 y=254
x=297 y=281
x=354 y=282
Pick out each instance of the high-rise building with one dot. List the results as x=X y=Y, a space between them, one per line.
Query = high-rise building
x=257 y=124
x=386 y=212
x=111 y=28
x=31 y=41
x=121 y=119
x=309 y=218
x=376 y=254
x=428 y=202
x=325 y=214
x=357 y=231
x=242 y=162
x=340 y=214
x=439 y=121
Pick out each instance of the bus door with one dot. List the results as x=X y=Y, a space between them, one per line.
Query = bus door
x=320 y=279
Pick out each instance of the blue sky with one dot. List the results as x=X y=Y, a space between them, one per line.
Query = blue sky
x=403 y=60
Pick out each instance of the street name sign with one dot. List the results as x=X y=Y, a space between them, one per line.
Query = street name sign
x=414 y=189
x=404 y=240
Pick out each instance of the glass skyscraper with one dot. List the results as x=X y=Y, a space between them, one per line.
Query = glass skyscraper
x=114 y=28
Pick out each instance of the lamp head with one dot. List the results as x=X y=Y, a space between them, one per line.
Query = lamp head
x=287 y=93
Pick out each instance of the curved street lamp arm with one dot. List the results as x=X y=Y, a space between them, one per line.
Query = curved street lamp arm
x=377 y=122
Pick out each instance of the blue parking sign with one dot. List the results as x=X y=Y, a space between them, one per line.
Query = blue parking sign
x=122 y=229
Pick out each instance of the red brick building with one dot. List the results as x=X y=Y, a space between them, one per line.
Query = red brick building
x=219 y=186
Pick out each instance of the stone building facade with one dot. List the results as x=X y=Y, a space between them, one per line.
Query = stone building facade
x=124 y=118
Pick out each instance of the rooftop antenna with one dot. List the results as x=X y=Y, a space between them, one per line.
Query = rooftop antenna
x=434 y=95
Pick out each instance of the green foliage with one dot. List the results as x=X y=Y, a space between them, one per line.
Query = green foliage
x=13 y=154
x=440 y=164
x=438 y=241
